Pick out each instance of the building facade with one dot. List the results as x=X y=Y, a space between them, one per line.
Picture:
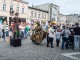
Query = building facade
x=72 y=18
x=79 y=19
x=62 y=19
x=52 y=9
x=35 y=14
x=8 y=8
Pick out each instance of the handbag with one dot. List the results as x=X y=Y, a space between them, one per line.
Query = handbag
x=63 y=34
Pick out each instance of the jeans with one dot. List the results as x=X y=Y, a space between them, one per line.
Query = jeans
x=64 y=39
x=4 y=36
x=76 y=42
x=47 y=41
x=7 y=33
x=0 y=34
x=57 y=42
x=51 y=41
x=26 y=34
x=22 y=34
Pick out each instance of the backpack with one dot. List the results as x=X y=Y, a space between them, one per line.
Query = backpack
x=63 y=34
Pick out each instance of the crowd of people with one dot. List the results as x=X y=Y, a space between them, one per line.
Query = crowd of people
x=68 y=35
x=7 y=30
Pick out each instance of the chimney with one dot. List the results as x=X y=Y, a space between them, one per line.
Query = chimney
x=32 y=5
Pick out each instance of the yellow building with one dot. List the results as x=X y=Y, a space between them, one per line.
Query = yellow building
x=8 y=8
x=35 y=14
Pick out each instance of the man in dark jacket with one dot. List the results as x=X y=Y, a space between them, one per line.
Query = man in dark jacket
x=77 y=37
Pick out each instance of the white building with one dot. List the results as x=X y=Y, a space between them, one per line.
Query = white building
x=8 y=8
x=52 y=9
x=62 y=19
x=35 y=14
x=72 y=18
x=79 y=19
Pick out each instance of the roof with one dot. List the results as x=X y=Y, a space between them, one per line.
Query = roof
x=22 y=1
x=72 y=15
x=50 y=4
x=37 y=9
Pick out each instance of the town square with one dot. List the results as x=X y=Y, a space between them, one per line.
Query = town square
x=39 y=30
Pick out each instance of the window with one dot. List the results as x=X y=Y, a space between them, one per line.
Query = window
x=31 y=14
x=17 y=9
x=4 y=7
x=39 y=16
x=22 y=10
x=35 y=15
x=42 y=15
x=45 y=16
x=11 y=7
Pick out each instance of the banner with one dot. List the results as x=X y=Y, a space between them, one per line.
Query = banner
x=0 y=25
x=0 y=21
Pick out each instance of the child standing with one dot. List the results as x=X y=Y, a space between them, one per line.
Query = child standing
x=58 y=36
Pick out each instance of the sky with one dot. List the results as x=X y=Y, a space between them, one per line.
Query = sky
x=66 y=6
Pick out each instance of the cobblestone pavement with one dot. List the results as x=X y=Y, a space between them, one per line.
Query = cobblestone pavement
x=30 y=51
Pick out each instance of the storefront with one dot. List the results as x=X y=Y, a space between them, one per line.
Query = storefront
x=20 y=20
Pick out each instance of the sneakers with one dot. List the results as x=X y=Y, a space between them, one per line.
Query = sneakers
x=52 y=47
x=47 y=46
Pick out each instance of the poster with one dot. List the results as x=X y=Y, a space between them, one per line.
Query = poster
x=0 y=21
x=0 y=25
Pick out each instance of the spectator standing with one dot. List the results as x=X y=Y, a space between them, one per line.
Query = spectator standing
x=4 y=30
x=22 y=28
x=47 y=28
x=51 y=35
x=65 y=37
x=77 y=37
x=27 y=29
x=71 y=37
x=58 y=36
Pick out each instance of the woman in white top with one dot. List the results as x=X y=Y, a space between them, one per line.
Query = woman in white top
x=51 y=35
x=22 y=28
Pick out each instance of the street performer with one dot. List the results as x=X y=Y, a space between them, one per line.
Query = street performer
x=37 y=37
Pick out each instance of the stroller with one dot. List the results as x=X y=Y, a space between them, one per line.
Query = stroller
x=71 y=39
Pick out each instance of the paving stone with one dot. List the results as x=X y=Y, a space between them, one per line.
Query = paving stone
x=30 y=51
x=78 y=56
